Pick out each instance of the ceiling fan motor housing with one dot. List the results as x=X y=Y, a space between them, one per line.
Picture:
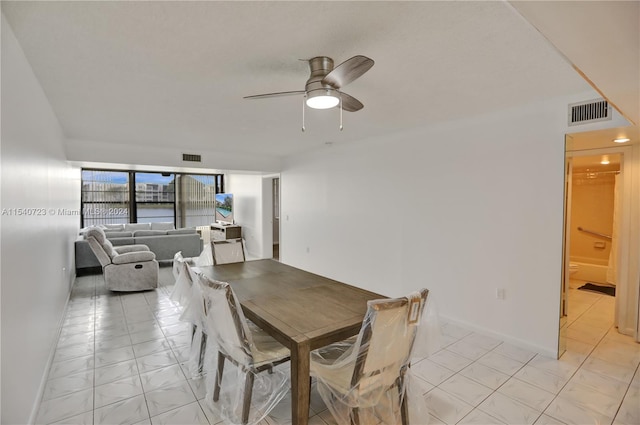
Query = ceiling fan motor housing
x=320 y=66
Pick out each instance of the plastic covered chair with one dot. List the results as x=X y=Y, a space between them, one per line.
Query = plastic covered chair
x=364 y=380
x=247 y=396
x=125 y=268
x=189 y=298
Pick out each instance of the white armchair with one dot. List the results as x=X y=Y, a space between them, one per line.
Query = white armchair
x=125 y=268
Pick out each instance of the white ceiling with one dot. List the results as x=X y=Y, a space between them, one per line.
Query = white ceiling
x=174 y=73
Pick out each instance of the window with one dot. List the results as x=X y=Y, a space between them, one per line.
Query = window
x=105 y=197
x=155 y=197
x=114 y=197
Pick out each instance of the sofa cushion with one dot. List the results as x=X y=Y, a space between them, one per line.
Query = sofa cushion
x=115 y=234
x=132 y=227
x=162 y=226
x=116 y=227
x=139 y=233
x=186 y=231
x=97 y=233
x=108 y=248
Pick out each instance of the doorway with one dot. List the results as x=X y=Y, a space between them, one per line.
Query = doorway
x=595 y=286
x=275 y=196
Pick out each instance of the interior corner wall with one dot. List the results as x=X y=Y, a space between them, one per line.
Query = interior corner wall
x=247 y=210
x=463 y=209
x=37 y=241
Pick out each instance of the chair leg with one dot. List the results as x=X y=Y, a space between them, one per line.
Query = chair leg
x=355 y=416
x=203 y=346
x=404 y=405
x=248 y=392
x=218 y=381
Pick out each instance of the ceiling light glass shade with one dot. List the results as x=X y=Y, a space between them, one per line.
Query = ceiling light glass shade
x=605 y=160
x=321 y=100
x=621 y=140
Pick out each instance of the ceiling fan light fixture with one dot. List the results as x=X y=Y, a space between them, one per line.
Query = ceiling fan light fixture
x=321 y=99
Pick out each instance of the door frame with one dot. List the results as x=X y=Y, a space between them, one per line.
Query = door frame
x=626 y=303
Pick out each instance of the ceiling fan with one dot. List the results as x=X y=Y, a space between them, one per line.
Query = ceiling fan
x=322 y=90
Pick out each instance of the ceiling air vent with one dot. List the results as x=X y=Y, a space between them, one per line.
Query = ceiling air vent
x=191 y=157
x=589 y=111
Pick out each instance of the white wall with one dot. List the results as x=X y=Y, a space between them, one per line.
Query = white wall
x=37 y=251
x=461 y=208
x=248 y=210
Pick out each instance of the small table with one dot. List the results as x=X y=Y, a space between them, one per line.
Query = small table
x=301 y=310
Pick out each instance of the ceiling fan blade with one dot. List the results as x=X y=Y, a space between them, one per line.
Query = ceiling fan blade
x=348 y=71
x=277 y=94
x=350 y=103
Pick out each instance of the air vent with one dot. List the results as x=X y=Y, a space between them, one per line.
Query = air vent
x=589 y=111
x=191 y=157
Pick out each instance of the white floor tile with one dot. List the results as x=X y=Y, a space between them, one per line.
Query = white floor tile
x=431 y=372
x=116 y=391
x=169 y=398
x=573 y=414
x=501 y=363
x=541 y=378
x=130 y=411
x=68 y=384
x=509 y=410
x=162 y=377
x=190 y=414
x=585 y=396
x=69 y=367
x=156 y=361
x=516 y=353
x=446 y=407
x=466 y=389
x=67 y=406
x=528 y=394
x=478 y=417
x=450 y=360
x=115 y=372
x=485 y=375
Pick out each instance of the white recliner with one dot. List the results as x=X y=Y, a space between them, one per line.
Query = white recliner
x=125 y=268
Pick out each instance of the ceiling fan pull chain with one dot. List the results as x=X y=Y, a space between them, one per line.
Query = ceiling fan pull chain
x=304 y=99
x=341 y=113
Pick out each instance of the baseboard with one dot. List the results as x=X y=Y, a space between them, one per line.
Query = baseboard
x=506 y=338
x=52 y=352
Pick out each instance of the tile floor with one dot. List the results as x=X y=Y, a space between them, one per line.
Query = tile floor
x=120 y=360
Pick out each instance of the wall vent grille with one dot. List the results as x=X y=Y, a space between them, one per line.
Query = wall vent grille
x=589 y=111
x=191 y=157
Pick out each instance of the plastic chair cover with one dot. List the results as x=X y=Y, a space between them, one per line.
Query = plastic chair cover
x=251 y=355
x=206 y=256
x=368 y=376
x=182 y=288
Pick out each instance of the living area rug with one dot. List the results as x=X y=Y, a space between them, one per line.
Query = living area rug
x=607 y=290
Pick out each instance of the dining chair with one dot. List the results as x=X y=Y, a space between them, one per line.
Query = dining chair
x=190 y=300
x=242 y=343
x=356 y=374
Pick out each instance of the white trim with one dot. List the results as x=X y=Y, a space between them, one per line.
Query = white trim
x=52 y=351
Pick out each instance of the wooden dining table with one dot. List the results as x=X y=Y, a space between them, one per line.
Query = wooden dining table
x=301 y=310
